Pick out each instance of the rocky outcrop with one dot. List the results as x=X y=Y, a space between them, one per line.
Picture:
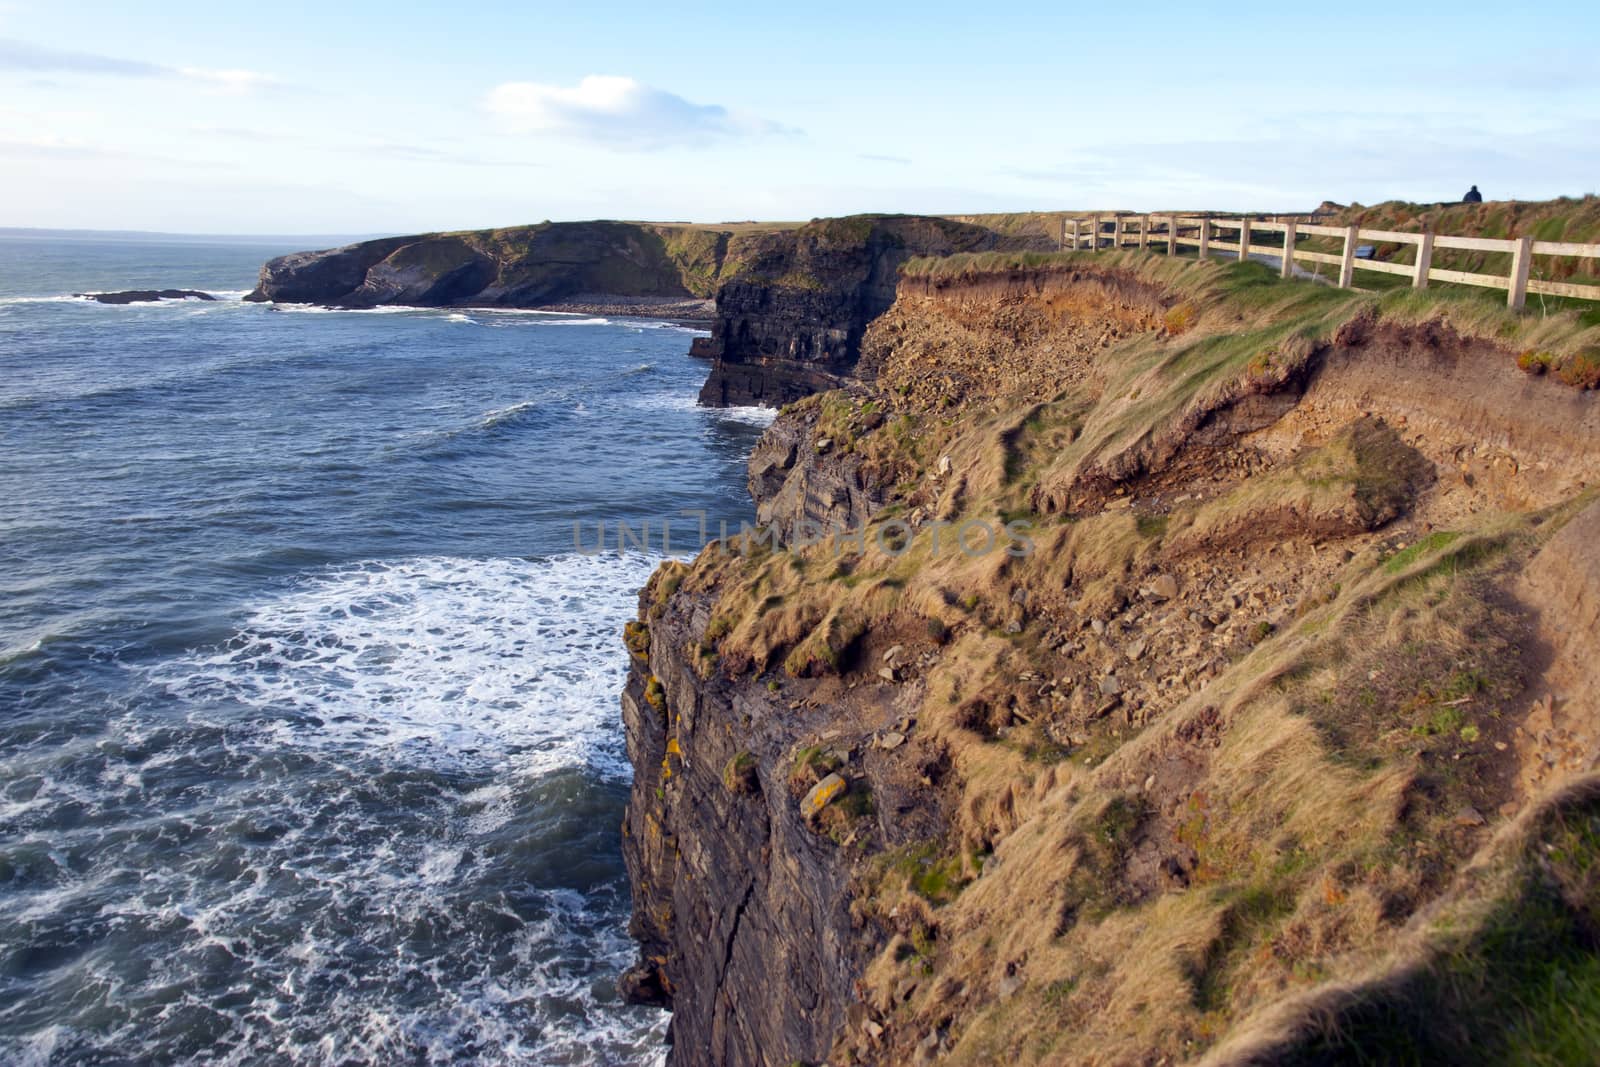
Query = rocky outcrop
x=804 y=484
x=321 y=277
x=528 y=266
x=145 y=296
x=791 y=318
x=763 y=890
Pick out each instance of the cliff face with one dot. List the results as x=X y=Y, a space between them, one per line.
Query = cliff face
x=902 y=804
x=526 y=266
x=763 y=893
x=791 y=317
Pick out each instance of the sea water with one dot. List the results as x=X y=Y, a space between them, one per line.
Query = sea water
x=309 y=739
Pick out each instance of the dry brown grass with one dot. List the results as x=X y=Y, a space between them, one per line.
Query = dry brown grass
x=1152 y=885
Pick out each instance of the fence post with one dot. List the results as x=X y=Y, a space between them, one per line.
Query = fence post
x=1144 y=233
x=1244 y=239
x=1094 y=236
x=1347 y=265
x=1288 y=250
x=1521 y=262
x=1077 y=240
x=1172 y=235
x=1205 y=237
x=1419 y=280
x=1120 y=234
x=1061 y=238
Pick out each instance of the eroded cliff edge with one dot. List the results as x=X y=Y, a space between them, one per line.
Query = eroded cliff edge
x=792 y=314
x=1277 y=747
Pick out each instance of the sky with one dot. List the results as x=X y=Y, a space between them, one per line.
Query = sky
x=354 y=117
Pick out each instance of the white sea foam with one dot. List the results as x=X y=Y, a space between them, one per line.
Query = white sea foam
x=494 y=673
x=662 y=324
x=318 y=309
x=65 y=298
x=434 y=659
x=754 y=416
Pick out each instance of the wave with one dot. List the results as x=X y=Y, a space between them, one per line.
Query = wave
x=640 y=325
x=318 y=309
x=499 y=416
x=66 y=298
x=752 y=416
x=436 y=659
x=368 y=836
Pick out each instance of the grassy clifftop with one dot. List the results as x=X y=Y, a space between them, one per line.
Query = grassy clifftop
x=1278 y=744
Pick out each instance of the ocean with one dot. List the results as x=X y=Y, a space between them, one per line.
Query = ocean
x=310 y=750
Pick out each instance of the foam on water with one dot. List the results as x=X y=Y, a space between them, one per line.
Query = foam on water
x=494 y=418
x=261 y=801
x=60 y=298
x=436 y=659
x=356 y=816
x=750 y=415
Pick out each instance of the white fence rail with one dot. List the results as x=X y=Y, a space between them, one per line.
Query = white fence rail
x=1143 y=231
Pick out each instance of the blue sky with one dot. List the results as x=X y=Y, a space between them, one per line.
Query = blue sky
x=360 y=117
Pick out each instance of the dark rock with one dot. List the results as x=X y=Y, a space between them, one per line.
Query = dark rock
x=740 y=907
x=794 y=481
x=791 y=317
x=644 y=984
x=145 y=296
x=742 y=898
x=322 y=277
x=523 y=267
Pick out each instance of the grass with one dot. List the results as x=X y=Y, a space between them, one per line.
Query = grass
x=1434 y=542
x=925 y=869
x=1520 y=985
x=1156 y=886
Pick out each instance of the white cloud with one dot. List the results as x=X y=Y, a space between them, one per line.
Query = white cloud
x=618 y=110
x=22 y=57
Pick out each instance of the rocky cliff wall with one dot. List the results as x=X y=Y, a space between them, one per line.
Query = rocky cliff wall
x=894 y=805
x=791 y=318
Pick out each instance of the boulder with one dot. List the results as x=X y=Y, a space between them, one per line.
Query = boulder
x=821 y=795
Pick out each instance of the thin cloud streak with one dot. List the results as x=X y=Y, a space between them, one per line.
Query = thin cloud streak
x=22 y=57
x=619 y=112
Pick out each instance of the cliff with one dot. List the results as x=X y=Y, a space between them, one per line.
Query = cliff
x=525 y=266
x=1210 y=683
x=791 y=315
x=791 y=304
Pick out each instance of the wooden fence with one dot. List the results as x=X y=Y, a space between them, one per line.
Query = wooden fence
x=1143 y=231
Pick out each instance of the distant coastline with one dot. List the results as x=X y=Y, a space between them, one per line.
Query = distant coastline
x=161 y=237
